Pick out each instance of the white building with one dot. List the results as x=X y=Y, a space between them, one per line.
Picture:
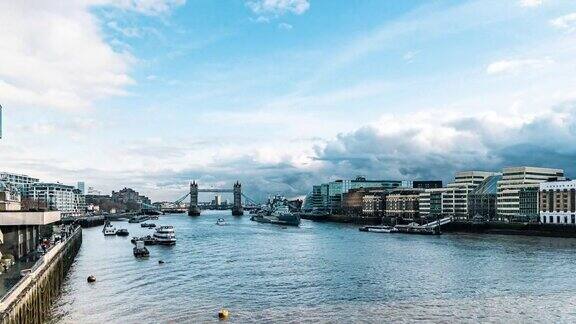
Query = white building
x=558 y=202
x=452 y=200
x=21 y=181
x=57 y=196
x=516 y=179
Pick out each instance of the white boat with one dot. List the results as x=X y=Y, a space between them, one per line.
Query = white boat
x=221 y=222
x=165 y=235
x=379 y=229
x=109 y=229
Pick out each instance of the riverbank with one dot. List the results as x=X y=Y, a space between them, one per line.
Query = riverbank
x=502 y=228
x=527 y=229
x=29 y=301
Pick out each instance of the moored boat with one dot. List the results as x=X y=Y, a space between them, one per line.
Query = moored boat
x=378 y=229
x=122 y=232
x=165 y=235
x=148 y=240
x=277 y=212
x=140 y=250
x=109 y=229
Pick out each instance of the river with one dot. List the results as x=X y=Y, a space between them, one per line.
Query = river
x=318 y=272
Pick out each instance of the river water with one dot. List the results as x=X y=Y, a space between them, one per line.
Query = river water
x=319 y=272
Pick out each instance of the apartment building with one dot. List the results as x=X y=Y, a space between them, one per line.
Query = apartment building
x=521 y=180
x=20 y=181
x=56 y=196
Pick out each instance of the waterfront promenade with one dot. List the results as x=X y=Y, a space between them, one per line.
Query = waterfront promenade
x=29 y=300
x=318 y=272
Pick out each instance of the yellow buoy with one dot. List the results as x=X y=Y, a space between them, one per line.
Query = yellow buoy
x=223 y=313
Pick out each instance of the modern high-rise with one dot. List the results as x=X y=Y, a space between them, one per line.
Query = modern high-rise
x=482 y=200
x=82 y=187
x=517 y=180
x=455 y=200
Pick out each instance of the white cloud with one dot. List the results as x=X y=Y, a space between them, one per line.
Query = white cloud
x=531 y=3
x=513 y=66
x=285 y=26
x=567 y=22
x=56 y=56
x=147 y=7
x=278 y=7
x=409 y=56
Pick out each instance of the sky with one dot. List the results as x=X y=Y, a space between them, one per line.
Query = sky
x=283 y=94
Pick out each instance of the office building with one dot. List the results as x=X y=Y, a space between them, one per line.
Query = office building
x=557 y=201
x=455 y=199
x=403 y=203
x=329 y=197
x=82 y=187
x=427 y=184
x=430 y=202
x=516 y=180
x=482 y=200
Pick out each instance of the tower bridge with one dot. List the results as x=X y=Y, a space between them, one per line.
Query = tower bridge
x=237 y=209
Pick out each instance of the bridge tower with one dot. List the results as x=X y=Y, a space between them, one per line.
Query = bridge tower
x=237 y=209
x=193 y=210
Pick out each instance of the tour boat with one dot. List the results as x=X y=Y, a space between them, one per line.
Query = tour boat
x=148 y=225
x=109 y=229
x=165 y=235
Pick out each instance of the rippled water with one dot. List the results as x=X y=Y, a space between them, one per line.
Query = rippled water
x=319 y=272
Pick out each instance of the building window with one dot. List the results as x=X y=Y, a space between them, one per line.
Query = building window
x=551 y=219
x=558 y=219
x=573 y=219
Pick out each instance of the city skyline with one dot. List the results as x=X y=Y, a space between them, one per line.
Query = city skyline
x=282 y=95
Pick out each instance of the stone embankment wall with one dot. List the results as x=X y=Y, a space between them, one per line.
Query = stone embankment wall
x=30 y=300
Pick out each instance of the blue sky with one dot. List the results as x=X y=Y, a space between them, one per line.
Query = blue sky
x=282 y=94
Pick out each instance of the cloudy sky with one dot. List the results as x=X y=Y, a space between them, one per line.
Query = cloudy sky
x=282 y=94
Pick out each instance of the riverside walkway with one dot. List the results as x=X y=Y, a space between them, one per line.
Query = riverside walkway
x=29 y=299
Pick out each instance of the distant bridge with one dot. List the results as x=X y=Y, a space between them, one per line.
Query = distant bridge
x=194 y=209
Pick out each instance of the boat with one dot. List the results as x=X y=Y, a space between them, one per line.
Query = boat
x=122 y=232
x=165 y=235
x=414 y=228
x=221 y=222
x=154 y=217
x=148 y=240
x=109 y=229
x=138 y=219
x=277 y=212
x=378 y=229
x=148 y=225
x=140 y=251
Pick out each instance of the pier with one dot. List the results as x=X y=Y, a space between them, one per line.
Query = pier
x=30 y=299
